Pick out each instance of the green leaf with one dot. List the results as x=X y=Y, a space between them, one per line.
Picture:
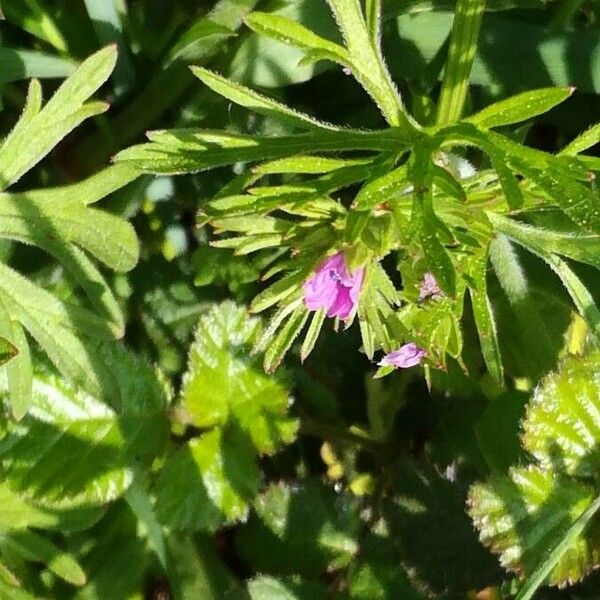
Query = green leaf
x=29 y=15
x=437 y=257
x=284 y=339
x=582 y=142
x=542 y=239
x=34 y=547
x=523 y=515
x=562 y=424
x=305 y=164
x=257 y=102
x=520 y=107
x=25 y=64
x=185 y=150
x=208 y=482
x=576 y=200
x=466 y=133
x=224 y=384
x=531 y=316
x=18 y=370
x=49 y=221
x=95 y=449
x=567 y=541
x=290 y=32
x=312 y=335
x=581 y=296
x=199 y=569
x=30 y=141
x=382 y=188
x=485 y=319
x=140 y=503
x=199 y=40
x=280 y=290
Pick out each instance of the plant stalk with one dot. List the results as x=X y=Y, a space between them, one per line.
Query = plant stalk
x=461 y=54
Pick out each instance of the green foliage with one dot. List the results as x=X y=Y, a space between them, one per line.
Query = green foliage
x=59 y=221
x=384 y=218
x=407 y=180
x=537 y=508
x=212 y=478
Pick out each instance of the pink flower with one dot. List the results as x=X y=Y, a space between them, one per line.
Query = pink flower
x=429 y=288
x=333 y=287
x=406 y=356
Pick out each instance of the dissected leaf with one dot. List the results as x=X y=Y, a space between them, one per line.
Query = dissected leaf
x=30 y=141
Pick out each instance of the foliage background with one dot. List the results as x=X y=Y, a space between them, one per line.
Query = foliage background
x=144 y=468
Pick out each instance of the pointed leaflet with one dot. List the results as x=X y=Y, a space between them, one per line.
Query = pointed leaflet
x=33 y=217
x=257 y=102
x=289 y=32
x=581 y=143
x=28 y=144
x=573 y=242
x=485 y=319
x=284 y=339
x=18 y=370
x=520 y=107
x=581 y=296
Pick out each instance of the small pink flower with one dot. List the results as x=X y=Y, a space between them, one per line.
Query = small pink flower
x=333 y=287
x=347 y=71
x=429 y=288
x=406 y=356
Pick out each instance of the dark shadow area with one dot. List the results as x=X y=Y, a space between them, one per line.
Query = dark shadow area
x=437 y=541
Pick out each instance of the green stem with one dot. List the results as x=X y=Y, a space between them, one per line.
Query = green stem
x=461 y=54
x=373 y=16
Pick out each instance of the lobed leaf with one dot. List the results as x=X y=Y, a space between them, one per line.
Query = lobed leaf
x=31 y=140
x=224 y=384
